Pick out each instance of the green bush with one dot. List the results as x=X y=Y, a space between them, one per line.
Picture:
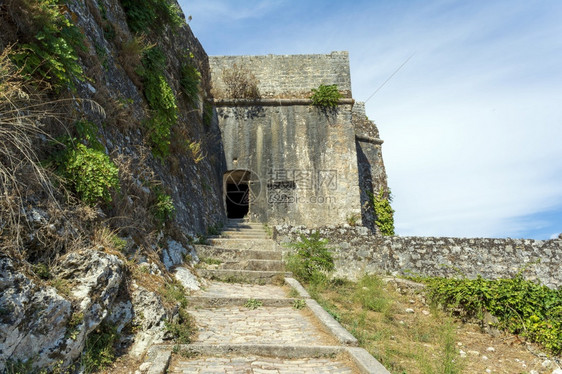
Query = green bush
x=311 y=259
x=88 y=172
x=326 y=96
x=51 y=57
x=183 y=328
x=163 y=208
x=384 y=213
x=151 y=15
x=522 y=307
x=99 y=351
x=161 y=100
x=189 y=83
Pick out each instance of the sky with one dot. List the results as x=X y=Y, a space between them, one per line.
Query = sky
x=471 y=123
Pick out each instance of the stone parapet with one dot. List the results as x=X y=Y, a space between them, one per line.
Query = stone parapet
x=357 y=251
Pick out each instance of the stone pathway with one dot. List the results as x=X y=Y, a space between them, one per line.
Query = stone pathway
x=250 y=324
x=255 y=364
x=271 y=325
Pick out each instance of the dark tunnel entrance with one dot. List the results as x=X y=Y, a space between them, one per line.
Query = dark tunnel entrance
x=237 y=193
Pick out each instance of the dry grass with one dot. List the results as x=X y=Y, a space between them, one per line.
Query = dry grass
x=27 y=122
x=119 y=112
x=403 y=342
x=240 y=83
x=130 y=55
x=130 y=212
x=424 y=340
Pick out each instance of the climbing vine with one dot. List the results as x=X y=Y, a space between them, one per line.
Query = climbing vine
x=383 y=211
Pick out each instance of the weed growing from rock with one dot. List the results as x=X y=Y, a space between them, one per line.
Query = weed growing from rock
x=88 y=172
x=299 y=304
x=326 y=96
x=189 y=82
x=240 y=83
x=152 y=15
x=50 y=56
x=99 y=352
x=163 y=208
x=253 y=304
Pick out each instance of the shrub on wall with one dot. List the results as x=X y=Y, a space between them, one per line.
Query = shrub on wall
x=161 y=100
x=51 y=56
x=88 y=172
x=189 y=83
x=383 y=212
x=326 y=96
x=240 y=83
x=163 y=208
x=151 y=15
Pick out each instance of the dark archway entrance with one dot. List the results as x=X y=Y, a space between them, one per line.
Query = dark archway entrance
x=237 y=193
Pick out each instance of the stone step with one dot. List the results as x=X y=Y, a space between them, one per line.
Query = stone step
x=244 y=276
x=245 y=226
x=253 y=244
x=287 y=351
x=253 y=323
x=258 y=364
x=248 y=358
x=217 y=289
x=250 y=264
x=240 y=235
x=220 y=302
x=229 y=254
x=244 y=229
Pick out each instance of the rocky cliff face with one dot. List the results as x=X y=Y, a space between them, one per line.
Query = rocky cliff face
x=121 y=98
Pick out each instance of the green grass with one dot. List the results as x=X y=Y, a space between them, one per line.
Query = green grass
x=253 y=304
x=374 y=313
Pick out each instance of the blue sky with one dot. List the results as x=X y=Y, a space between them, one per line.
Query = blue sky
x=472 y=123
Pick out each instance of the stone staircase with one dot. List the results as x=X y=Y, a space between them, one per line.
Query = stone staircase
x=252 y=317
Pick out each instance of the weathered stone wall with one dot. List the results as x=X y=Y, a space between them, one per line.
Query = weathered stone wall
x=195 y=187
x=47 y=325
x=286 y=75
x=357 y=252
x=370 y=164
x=304 y=159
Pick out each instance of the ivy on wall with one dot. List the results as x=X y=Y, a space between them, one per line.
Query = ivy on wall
x=383 y=211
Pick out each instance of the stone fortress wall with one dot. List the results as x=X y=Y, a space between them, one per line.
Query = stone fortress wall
x=357 y=251
x=304 y=158
x=286 y=76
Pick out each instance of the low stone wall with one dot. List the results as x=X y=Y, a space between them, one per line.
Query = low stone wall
x=357 y=251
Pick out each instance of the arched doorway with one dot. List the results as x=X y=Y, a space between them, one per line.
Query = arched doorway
x=237 y=192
